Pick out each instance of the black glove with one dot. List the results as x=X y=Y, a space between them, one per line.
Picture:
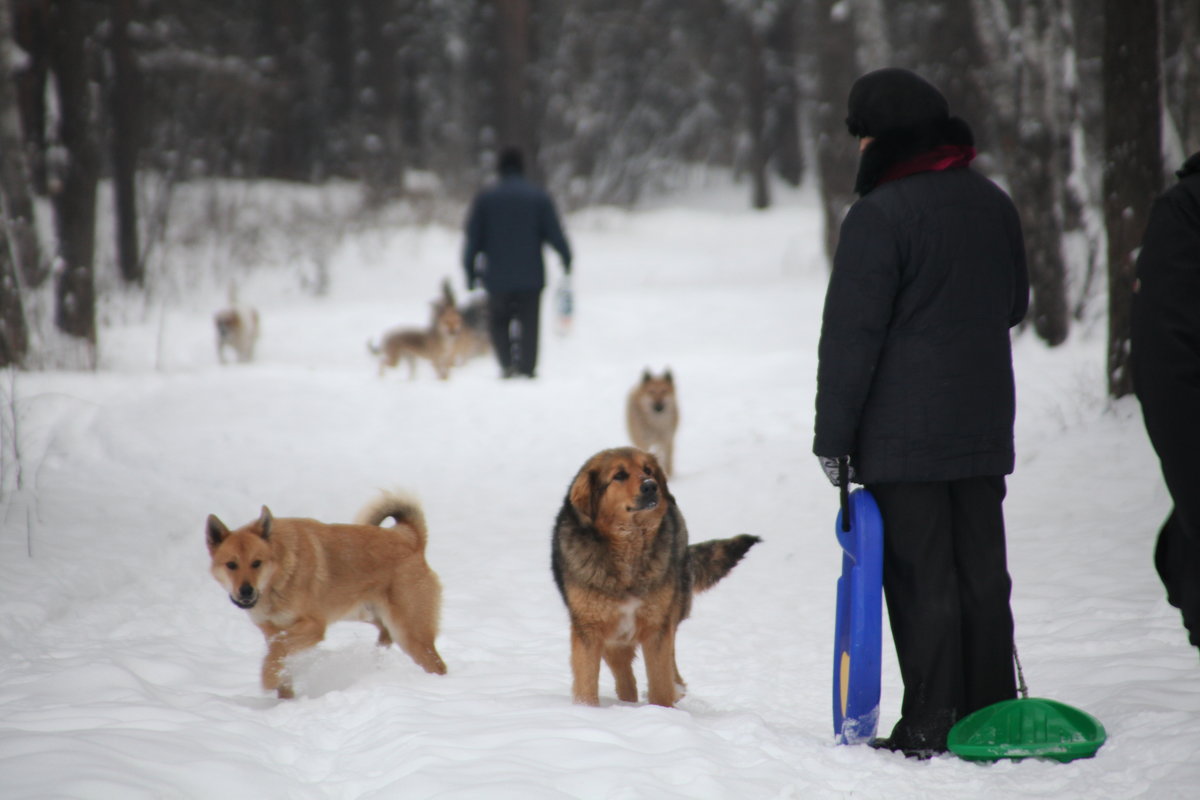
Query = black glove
x=830 y=465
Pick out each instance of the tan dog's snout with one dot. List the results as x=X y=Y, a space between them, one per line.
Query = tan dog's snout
x=246 y=596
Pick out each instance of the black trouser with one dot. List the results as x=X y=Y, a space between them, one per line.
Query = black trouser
x=1177 y=558
x=1173 y=432
x=1166 y=376
x=945 y=577
x=513 y=320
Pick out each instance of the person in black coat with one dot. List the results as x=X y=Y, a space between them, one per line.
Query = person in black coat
x=915 y=393
x=507 y=225
x=1165 y=359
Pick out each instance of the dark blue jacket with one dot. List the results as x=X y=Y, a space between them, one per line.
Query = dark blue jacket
x=507 y=225
x=915 y=379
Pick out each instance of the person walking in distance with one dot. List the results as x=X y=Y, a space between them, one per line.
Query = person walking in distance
x=508 y=224
x=916 y=395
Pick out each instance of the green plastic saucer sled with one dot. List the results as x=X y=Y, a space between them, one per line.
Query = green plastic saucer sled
x=1027 y=727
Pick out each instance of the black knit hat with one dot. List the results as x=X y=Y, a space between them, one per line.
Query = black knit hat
x=511 y=161
x=891 y=99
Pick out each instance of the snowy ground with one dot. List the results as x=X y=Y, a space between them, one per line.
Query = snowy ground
x=126 y=672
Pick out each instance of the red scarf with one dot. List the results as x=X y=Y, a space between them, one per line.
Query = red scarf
x=942 y=157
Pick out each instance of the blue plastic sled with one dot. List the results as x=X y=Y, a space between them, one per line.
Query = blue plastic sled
x=857 y=635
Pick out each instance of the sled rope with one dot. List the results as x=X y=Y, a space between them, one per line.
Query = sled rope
x=1021 y=687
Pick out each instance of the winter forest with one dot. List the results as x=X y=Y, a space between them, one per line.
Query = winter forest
x=1081 y=109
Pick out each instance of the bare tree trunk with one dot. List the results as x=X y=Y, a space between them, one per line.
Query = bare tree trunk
x=412 y=21
x=291 y=128
x=16 y=179
x=14 y=330
x=338 y=35
x=1181 y=35
x=756 y=113
x=17 y=158
x=1133 y=174
x=1037 y=177
x=31 y=32
x=837 y=152
x=75 y=200
x=783 y=94
x=384 y=159
x=514 y=126
x=125 y=101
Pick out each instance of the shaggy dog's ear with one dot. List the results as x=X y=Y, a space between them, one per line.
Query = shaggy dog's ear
x=264 y=523
x=668 y=378
x=585 y=494
x=215 y=533
x=646 y=376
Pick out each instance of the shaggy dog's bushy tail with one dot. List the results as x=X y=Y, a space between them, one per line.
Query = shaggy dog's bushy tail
x=400 y=506
x=712 y=560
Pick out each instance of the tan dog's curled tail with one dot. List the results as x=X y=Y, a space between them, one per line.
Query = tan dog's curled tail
x=712 y=560
x=400 y=506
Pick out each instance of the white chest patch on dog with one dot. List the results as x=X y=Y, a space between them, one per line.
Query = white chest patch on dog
x=626 y=622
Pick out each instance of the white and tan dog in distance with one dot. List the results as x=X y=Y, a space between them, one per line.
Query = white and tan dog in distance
x=237 y=330
x=295 y=577
x=652 y=416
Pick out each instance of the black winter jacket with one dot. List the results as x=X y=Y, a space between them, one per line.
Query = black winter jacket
x=507 y=225
x=915 y=379
x=1165 y=333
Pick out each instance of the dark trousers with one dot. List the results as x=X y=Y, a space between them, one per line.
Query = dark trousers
x=513 y=321
x=945 y=578
x=1177 y=558
x=1166 y=376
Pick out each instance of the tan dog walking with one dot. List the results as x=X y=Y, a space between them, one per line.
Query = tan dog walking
x=295 y=577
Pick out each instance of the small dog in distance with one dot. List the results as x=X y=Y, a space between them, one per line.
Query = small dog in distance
x=652 y=416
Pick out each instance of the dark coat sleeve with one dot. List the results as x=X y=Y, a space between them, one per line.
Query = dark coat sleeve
x=473 y=245
x=552 y=232
x=1020 y=300
x=858 y=308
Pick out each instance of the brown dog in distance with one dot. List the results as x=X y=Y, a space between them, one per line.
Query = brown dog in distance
x=296 y=576
x=622 y=563
x=436 y=343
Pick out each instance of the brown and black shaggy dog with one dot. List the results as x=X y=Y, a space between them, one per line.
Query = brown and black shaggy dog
x=622 y=563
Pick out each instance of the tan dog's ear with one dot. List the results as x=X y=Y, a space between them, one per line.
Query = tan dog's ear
x=667 y=377
x=646 y=376
x=584 y=495
x=264 y=523
x=215 y=533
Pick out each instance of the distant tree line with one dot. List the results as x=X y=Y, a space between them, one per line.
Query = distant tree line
x=1079 y=109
